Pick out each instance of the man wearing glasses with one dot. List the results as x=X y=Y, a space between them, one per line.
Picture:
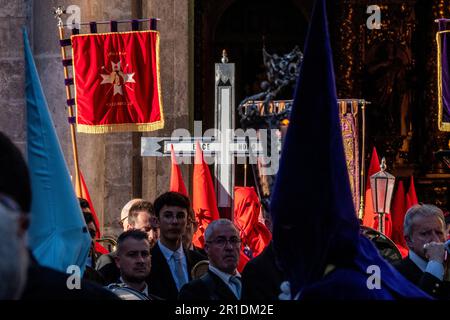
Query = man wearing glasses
x=222 y=281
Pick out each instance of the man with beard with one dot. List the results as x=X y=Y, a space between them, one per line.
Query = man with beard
x=171 y=263
x=133 y=261
x=42 y=282
x=222 y=281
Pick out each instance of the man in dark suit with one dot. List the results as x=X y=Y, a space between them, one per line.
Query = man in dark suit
x=222 y=281
x=133 y=261
x=171 y=263
x=15 y=195
x=425 y=266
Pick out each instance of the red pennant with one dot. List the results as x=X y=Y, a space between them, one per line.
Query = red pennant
x=176 y=179
x=411 y=198
x=387 y=224
x=398 y=211
x=85 y=195
x=204 y=201
x=369 y=213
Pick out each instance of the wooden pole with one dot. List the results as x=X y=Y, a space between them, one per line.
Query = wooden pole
x=78 y=190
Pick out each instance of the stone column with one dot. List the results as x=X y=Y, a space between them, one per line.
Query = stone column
x=176 y=29
x=12 y=71
x=105 y=160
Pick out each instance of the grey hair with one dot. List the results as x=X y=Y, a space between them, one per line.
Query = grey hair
x=423 y=210
x=215 y=223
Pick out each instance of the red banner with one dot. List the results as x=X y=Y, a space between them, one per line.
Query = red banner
x=117 y=82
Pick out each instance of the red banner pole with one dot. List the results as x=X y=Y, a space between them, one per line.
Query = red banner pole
x=71 y=117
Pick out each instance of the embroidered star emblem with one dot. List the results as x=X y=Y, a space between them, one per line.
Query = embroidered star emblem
x=117 y=78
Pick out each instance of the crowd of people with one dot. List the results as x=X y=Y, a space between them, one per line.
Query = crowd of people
x=155 y=259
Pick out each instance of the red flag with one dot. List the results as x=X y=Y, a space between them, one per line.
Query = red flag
x=253 y=233
x=369 y=213
x=398 y=211
x=204 y=197
x=117 y=81
x=408 y=202
x=411 y=197
x=85 y=195
x=387 y=224
x=176 y=179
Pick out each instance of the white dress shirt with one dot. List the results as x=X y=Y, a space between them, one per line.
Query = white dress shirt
x=225 y=277
x=168 y=255
x=433 y=267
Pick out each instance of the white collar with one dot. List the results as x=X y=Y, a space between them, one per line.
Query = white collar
x=223 y=275
x=167 y=253
x=418 y=261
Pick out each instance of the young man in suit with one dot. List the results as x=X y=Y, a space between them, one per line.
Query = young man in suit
x=171 y=263
x=425 y=266
x=222 y=281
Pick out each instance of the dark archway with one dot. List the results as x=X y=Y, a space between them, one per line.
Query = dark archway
x=240 y=27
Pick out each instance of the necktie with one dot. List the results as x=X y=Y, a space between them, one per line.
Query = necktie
x=236 y=283
x=179 y=272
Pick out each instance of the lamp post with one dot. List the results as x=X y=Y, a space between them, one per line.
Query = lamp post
x=382 y=185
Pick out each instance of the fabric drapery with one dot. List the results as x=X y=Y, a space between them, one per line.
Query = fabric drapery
x=117 y=81
x=349 y=126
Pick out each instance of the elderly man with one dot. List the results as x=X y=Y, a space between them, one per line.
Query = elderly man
x=222 y=281
x=133 y=260
x=140 y=217
x=425 y=234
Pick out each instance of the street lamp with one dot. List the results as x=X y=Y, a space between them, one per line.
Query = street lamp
x=382 y=185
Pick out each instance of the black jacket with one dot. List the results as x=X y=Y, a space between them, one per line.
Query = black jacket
x=424 y=280
x=160 y=281
x=48 y=284
x=107 y=268
x=208 y=287
x=262 y=277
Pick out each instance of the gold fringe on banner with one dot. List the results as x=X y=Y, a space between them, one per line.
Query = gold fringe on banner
x=123 y=127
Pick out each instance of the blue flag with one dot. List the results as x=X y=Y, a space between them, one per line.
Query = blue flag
x=57 y=236
x=315 y=227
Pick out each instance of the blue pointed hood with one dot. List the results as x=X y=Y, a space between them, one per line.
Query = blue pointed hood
x=57 y=234
x=311 y=201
